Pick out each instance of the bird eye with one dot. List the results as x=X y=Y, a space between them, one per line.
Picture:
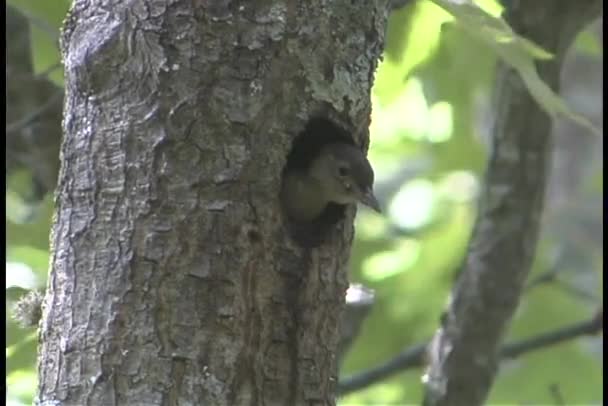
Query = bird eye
x=342 y=171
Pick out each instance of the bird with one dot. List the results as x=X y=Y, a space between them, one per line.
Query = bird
x=340 y=173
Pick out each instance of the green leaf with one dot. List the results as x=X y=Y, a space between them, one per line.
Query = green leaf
x=588 y=43
x=21 y=384
x=516 y=51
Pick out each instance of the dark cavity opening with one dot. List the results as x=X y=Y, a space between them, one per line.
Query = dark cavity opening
x=317 y=133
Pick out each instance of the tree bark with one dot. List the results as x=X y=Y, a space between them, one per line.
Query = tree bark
x=465 y=351
x=173 y=277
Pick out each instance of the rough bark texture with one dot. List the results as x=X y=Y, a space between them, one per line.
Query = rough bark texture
x=173 y=279
x=464 y=353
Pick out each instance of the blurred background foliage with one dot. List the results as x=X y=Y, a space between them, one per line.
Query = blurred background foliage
x=430 y=131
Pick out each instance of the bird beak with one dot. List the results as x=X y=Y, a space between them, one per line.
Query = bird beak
x=370 y=200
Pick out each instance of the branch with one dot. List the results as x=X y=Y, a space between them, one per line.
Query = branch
x=551 y=276
x=585 y=328
x=464 y=355
x=413 y=357
x=31 y=116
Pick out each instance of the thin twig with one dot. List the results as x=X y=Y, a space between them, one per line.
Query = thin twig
x=556 y=394
x=18 y=125
x=552 y=277
x=413 y=357
x=40 y=23
x=45 y=73
x=29 y=75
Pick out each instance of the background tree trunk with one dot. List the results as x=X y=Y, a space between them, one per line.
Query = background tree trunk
x=173 y=278
x=464 y=353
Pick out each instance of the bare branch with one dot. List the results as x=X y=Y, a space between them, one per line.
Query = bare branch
x=569 y=332
x=31 y=116
x=413 y=357
x=551 y=276
x=37 y=22
x=556 y=393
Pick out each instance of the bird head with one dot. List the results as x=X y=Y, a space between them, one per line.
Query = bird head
x=345 y=175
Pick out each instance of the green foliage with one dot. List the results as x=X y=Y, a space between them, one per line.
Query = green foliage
x=26 y=269
x=589 y=44
x=516 y=51
x=435 y=58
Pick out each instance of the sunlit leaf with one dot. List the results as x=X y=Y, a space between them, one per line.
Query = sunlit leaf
x=20 y=275
x=21 y=385
x=383 y=265
x=37 y=259
x=516 y=51
x=412 y=207
x=588 y=43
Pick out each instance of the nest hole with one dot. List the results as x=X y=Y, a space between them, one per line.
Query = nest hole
x=317 y=133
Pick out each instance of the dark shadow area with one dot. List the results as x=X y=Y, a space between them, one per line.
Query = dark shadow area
x=319 y=131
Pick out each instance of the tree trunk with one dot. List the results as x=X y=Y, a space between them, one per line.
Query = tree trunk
x=174 y=278
x=464 y=353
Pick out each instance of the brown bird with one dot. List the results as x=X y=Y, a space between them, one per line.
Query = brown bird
x=340 y=174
